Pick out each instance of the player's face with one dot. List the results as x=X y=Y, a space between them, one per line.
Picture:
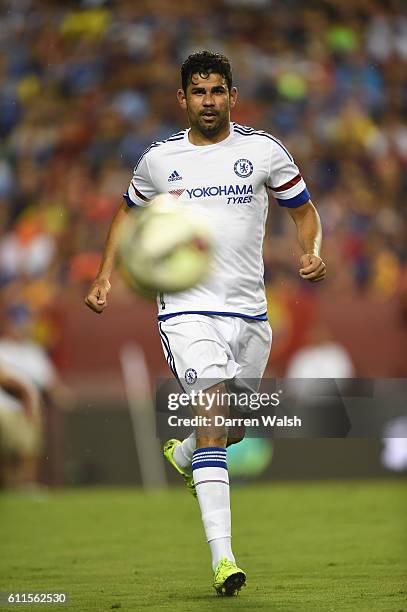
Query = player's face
x=208 y=103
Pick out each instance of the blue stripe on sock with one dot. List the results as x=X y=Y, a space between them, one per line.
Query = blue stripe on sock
x=210 y=456
x=208 y=464
x=211 y=459
x=214 y=460
x=205 y=457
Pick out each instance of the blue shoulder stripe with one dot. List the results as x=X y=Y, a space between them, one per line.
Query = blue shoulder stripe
x=180 y=133
x=172 y=138
x=144 y=153
x=246 y=128
x=265 y=135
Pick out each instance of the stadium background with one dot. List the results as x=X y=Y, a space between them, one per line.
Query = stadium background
x=85 y=88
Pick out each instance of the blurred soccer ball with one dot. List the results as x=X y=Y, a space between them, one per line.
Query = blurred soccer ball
x=164 y=248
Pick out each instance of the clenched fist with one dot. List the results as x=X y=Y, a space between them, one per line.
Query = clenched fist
x=313 y=268
x=97 y=296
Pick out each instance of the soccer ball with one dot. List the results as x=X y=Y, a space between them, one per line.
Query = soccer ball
x=164 y=248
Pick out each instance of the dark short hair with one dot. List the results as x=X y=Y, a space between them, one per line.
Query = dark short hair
x=205 y=63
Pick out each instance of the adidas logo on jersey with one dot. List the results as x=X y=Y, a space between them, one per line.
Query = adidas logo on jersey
x=174 y=176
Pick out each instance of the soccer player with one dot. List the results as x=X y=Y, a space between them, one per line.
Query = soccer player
x=216 y=335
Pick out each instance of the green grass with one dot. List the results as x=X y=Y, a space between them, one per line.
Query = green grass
x=321 y=546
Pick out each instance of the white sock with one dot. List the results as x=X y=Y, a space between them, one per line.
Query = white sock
x=221 y=547
x=183 y=453
x=212 y=487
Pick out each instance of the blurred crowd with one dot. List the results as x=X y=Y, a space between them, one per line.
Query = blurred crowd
x=87 y=86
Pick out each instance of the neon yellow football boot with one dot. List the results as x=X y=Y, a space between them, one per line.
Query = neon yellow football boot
x=229 y=578
x=168 y=450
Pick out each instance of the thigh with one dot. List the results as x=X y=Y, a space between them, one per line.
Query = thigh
x=252 y=353
x=254 y=349
x=196 y=352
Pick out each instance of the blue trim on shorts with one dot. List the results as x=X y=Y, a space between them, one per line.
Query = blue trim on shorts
x=129 y=201
x=260 y=317
x=170 y=357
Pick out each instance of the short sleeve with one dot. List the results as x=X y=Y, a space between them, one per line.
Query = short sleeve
x=141 y=189
x=284 y=179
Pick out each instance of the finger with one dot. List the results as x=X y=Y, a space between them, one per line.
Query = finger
x=90 y=300
x=311 y=268
x=318 y=278
x=308 y=269
x=101 y=295
x=313 y=277
x=313 y=265
x=313 y=273
x=93 y=305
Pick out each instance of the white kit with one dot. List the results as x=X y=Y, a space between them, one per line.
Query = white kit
x=227 y=183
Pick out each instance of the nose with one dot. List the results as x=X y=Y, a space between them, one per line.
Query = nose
x=208 y=99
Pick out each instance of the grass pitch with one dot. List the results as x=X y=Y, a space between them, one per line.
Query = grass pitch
x=325 y=546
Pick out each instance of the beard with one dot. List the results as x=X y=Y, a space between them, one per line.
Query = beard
x=213 y=128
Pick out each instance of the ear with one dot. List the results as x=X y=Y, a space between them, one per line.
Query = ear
x=233 y=97
x=182 y=101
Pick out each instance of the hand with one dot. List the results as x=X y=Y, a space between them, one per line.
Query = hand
x=313 y=268
x=97 y=296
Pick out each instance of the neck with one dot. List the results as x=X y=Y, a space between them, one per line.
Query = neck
x=199 y=139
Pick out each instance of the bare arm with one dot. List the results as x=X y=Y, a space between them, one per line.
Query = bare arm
x=309 y=234
x=97 y=295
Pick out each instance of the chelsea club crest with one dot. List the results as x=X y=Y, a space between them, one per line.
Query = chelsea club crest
x=190 y=376
x=243 y=168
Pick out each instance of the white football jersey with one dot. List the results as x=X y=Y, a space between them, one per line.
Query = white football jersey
x=227 y=183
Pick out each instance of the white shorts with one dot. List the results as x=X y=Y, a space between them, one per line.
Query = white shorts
x=204 y=350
